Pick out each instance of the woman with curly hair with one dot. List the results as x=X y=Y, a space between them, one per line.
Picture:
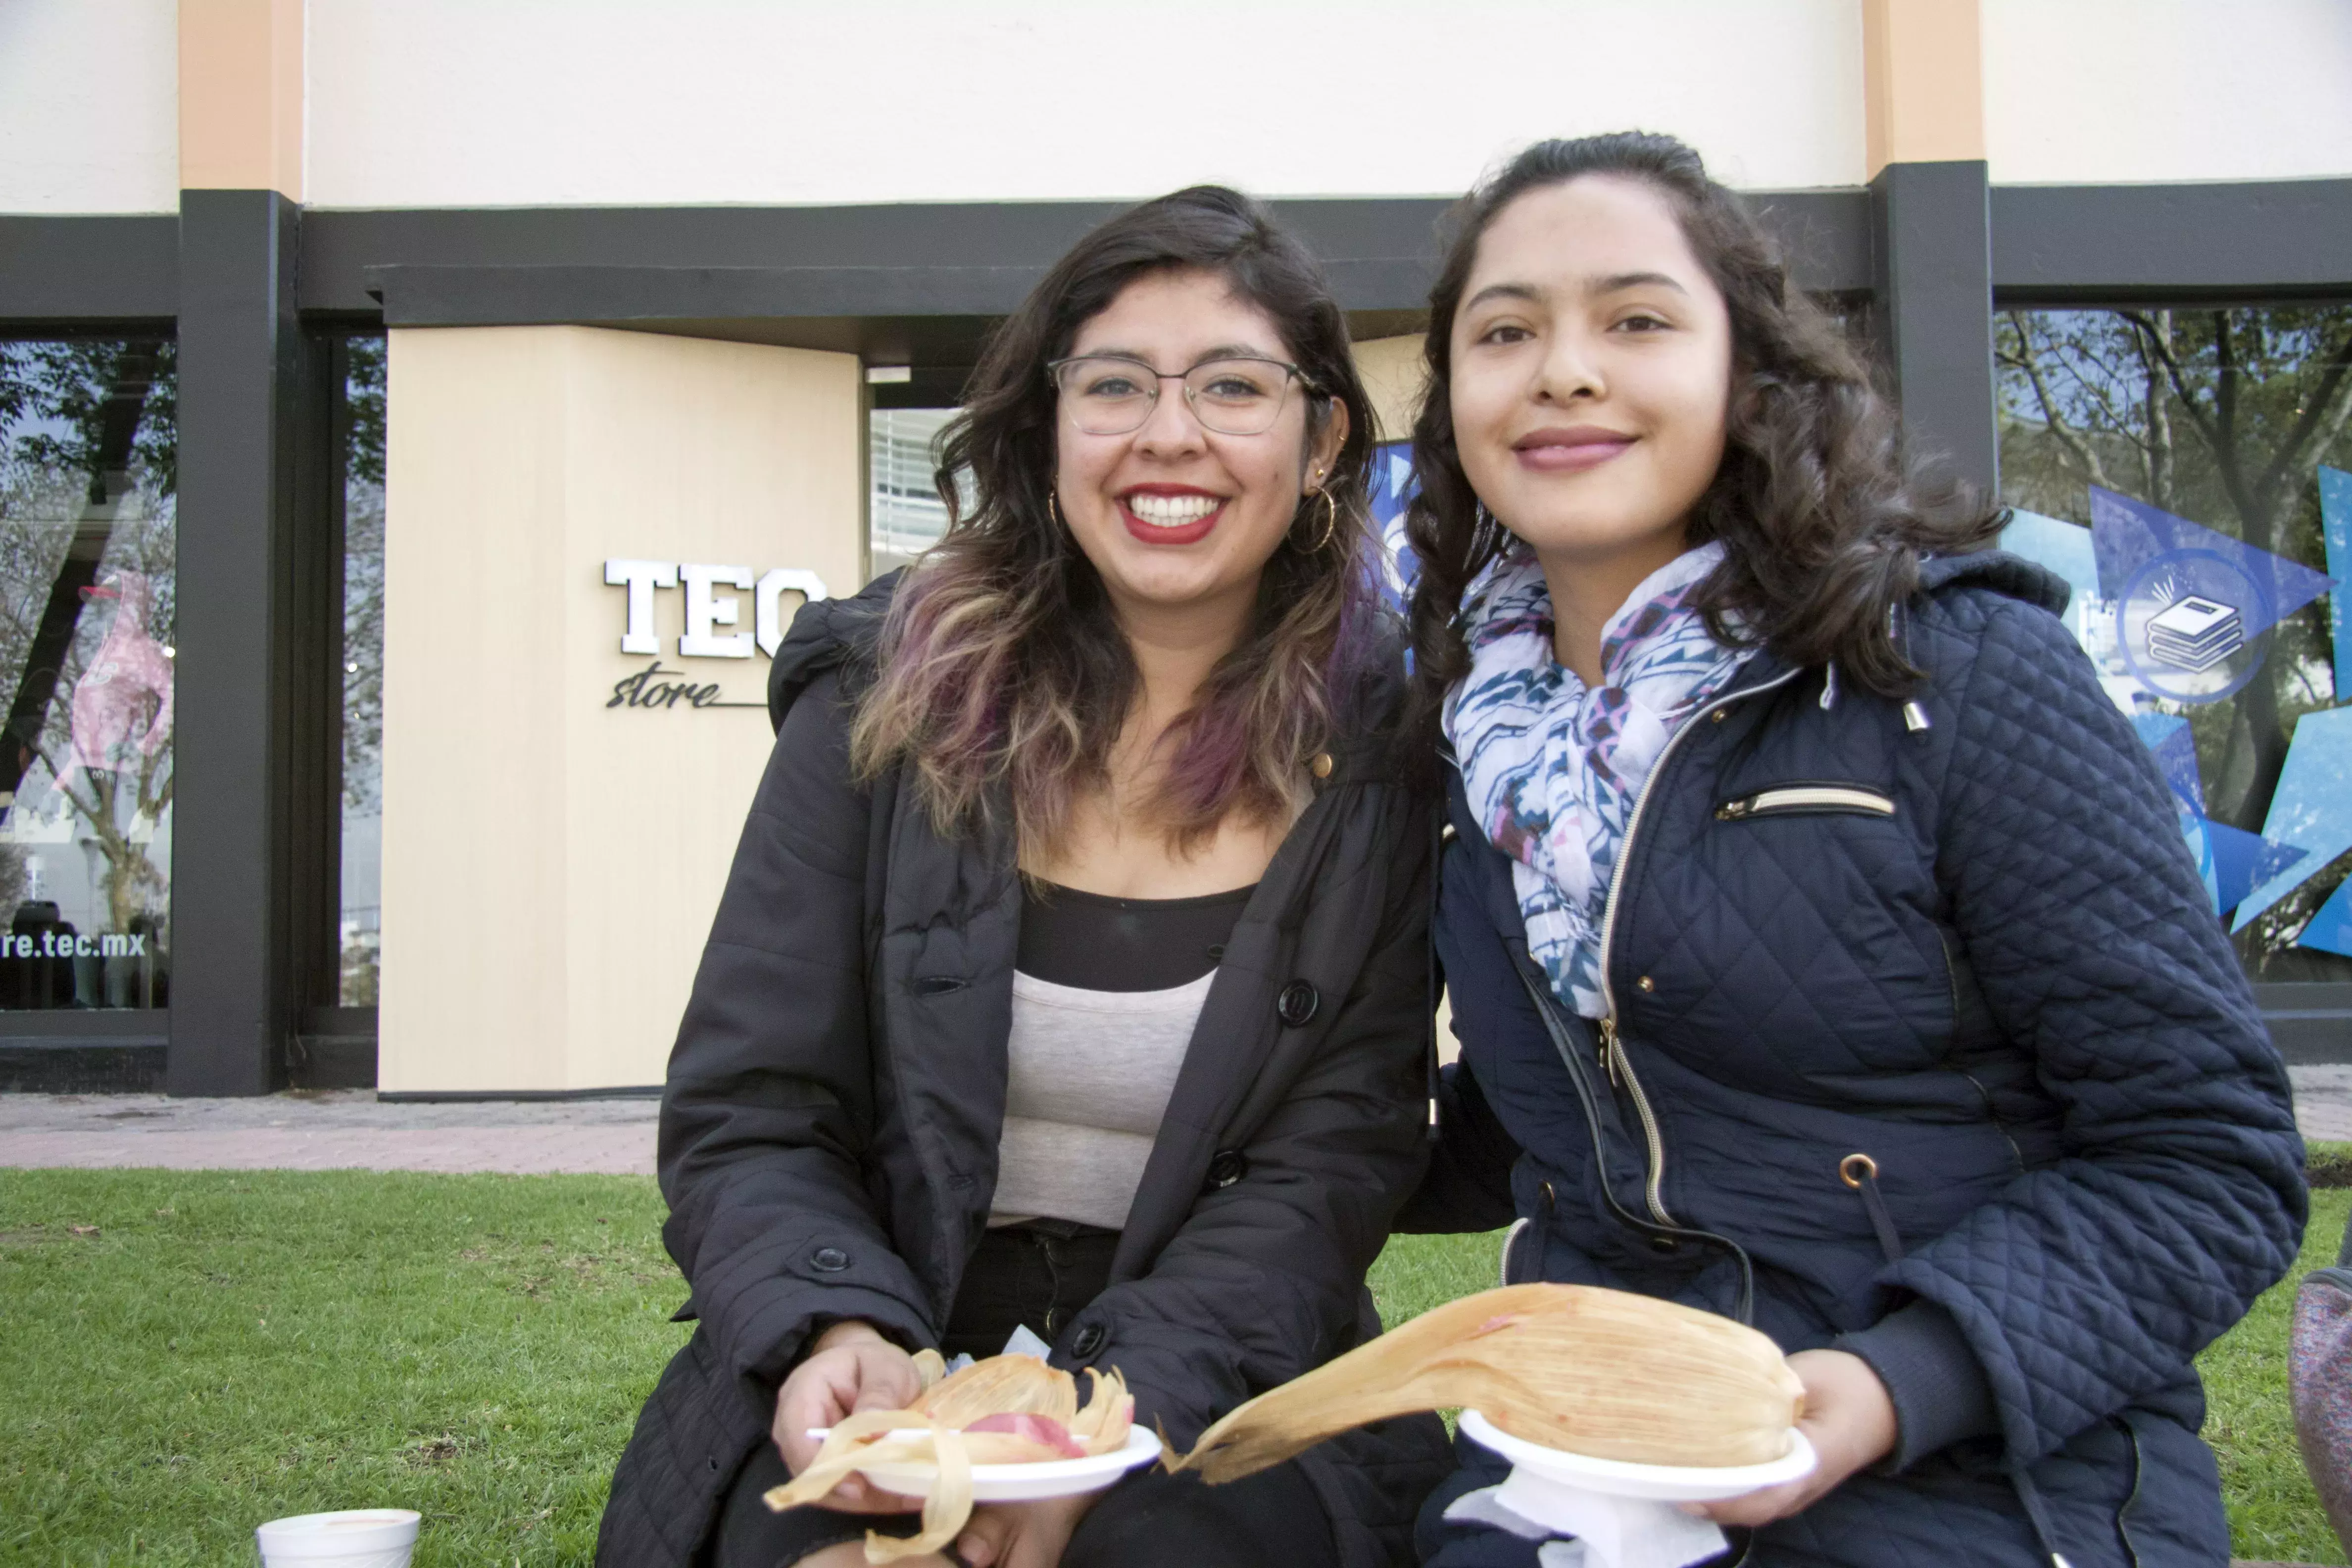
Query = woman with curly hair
x=1072 y=975
x=1820 y=936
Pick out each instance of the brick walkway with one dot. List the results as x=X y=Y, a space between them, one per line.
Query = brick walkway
x=352 y=1130
x=325 y=1131
x=2323 y=1101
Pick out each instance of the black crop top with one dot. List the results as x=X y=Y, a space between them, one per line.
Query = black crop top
x=1099 y=944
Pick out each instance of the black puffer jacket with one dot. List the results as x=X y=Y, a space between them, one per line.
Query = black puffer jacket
x=1974 y=951
x=829 y=1132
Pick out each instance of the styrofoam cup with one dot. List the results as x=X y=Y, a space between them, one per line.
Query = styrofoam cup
x=355 y=1538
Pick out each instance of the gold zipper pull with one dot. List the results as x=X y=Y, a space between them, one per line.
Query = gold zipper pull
x=1733 y=810
x=1609 y=1049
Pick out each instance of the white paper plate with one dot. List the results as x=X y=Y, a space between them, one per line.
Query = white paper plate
x=1661 y=1483
x=1019 y=1483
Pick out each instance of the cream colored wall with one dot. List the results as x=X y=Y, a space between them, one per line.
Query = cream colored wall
x=551 y=864
x=2122 y=91
x=1393 y=372
x=544 y=102
x=90 y=106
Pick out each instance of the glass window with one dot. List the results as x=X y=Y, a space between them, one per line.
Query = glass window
x=362 y=922
x=2182 y=469
x=906 y=516
x=87 y=542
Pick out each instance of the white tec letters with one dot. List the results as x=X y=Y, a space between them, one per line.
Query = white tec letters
x=706 y=608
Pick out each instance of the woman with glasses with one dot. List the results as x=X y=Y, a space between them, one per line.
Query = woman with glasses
x=1071 y=976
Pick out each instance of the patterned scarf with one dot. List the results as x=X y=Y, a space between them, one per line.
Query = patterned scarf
x=1553 y=768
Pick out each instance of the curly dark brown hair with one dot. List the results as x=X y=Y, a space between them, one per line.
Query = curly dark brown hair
x=1823 y=516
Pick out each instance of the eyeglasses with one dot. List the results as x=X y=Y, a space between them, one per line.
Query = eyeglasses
x=1113 y=395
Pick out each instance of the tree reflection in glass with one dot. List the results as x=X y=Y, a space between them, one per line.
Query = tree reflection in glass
x=2220 y=415
x=87 y=550
x=360 y=939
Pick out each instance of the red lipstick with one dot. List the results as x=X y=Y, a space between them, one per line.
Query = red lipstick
x=1170 y=514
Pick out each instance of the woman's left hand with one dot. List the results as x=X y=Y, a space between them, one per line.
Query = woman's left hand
x=1022 y=1534
x=1850 y=1422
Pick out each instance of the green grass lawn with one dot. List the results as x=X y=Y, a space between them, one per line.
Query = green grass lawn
x=186 y=1354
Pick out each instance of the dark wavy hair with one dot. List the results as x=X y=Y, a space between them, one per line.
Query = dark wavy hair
x=1004 y=670
x=1823 y=517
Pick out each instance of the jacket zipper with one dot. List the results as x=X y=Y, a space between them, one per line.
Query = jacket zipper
x=1612 y=1053
x=1807 y=798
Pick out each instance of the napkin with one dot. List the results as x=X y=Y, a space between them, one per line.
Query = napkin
x=1609 y=1531
x=1022 y=1342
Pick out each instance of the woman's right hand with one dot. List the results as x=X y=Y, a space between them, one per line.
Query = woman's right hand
x=849 y=1367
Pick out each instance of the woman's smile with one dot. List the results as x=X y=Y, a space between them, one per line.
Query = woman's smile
x=1170 y=514
x=1555 y=450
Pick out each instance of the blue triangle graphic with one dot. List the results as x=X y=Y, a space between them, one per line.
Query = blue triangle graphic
x=2127 y=534
x=1393 y=481
x=2336 y=526
x=1394 y=484
x=2330 y=930
x=2232 y=862
x=2244 y=861
x=2175 y=748
x=2311 y=809
x=2063 y=547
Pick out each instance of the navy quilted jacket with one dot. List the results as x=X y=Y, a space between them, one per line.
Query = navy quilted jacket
x=1975 y=953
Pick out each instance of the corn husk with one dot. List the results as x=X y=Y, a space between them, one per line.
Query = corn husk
x=931 y=1429
x=1600 y=1373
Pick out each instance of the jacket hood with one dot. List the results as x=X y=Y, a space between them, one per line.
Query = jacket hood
x=1999 y=571
x=825 y=633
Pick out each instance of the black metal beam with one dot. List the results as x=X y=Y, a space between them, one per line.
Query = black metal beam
x=2236 y=240
x=240 y=382
x=454 y=267
x=110 y=270
x=1934 y=308
x=2054 y=244
x=1381 y=252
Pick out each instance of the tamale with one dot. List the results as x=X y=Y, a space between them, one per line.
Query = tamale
x=1606 y=1374
x=937 y=1428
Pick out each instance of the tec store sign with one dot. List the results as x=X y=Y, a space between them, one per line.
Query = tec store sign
x=714 y=610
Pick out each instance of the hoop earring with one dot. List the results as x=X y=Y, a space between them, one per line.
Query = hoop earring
x=1330 y=521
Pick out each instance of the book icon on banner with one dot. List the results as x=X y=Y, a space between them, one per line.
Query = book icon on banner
x=2192 y=608
x=2194 y=633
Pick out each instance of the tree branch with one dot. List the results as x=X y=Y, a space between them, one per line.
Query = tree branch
x=2162 y=344
x=2323 y=417
x=2026 y=361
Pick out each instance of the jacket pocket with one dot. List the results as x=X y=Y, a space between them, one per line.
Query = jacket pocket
x=1807 y=800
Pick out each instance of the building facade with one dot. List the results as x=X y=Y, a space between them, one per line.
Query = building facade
x=419 y=418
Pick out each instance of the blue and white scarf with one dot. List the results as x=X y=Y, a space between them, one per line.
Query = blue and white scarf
x=1552 y=768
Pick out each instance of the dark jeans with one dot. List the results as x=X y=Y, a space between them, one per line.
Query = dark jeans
x=1039 y=1275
